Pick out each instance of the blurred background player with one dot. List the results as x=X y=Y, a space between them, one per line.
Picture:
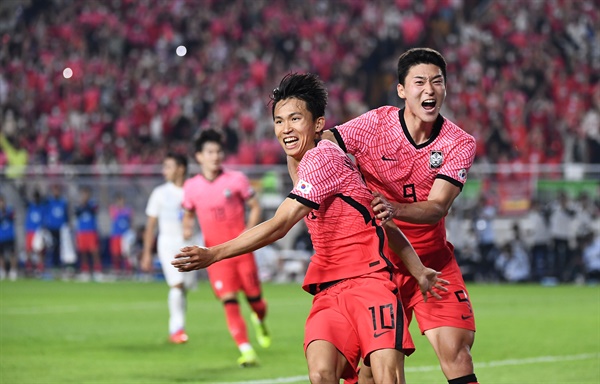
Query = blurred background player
x=8 y=250
x=121 y=218
x=165 y=213
x=86 y=235
x=419 y=160
x=57 y=217
x=34 y=224
x=219 y=198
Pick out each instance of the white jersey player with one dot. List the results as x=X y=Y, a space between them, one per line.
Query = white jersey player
x=164 y=209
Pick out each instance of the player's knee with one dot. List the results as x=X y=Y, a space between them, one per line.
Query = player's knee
x=459 y=361
x=322 y=375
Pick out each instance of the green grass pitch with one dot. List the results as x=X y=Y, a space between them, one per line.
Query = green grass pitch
x=66 y=332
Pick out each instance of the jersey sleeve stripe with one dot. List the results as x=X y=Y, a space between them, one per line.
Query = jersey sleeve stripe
x=303 y=201
x=450 y=180
x=339 y=139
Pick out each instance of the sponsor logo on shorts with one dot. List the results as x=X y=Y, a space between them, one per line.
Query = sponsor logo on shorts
x=376 y=335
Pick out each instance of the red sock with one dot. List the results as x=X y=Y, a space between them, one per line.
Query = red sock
x=235 y=322
x=85 y=267
x=259 y=306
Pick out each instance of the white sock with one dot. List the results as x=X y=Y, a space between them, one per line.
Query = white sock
x=245 y=347
x=177 y=306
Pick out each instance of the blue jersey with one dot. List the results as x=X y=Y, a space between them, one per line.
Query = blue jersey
x=57 y=213
x=86 y=216
x=34 y=217
x=121 y=220
x=7 y=224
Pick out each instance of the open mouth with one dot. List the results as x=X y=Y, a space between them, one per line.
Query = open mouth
x=289 y=141
x=428 y=104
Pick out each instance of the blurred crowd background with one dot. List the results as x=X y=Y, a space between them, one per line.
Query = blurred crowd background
x=523 y=79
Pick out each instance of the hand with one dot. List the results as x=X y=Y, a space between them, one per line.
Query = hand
x=192 y=258
x=146 y=263
x=383 y=209
x=430 y=280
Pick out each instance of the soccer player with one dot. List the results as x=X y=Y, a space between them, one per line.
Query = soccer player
x=56 y=218
x=355 y=312
x=86 y=238
x=419 y=161
x=34 y=221
x=219 y=199
x=8 y=251
x=121 y=216
x=164 y=211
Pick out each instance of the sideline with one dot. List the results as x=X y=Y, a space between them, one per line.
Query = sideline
x=429 y=368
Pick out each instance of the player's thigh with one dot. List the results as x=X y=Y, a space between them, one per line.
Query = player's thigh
x=453 y=310
x=325 y=360
x=448 y=342
x=248 y=275
x=326 y=324
x=387 y=366
x=224 y=278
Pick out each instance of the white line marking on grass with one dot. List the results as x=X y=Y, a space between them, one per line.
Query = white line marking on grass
x=78 y=308
x=429 y=368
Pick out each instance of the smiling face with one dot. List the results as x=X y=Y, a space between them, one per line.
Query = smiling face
x=424 y=91
x=295 y=128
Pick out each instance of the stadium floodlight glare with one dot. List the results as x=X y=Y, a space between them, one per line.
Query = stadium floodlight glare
x=67 y=73
x=181 y=51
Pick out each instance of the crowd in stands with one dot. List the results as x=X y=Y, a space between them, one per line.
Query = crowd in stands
x=523 y=75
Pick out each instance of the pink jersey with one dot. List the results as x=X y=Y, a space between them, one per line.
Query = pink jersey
x=347 y=240
x=393 y=164
x=220 y=204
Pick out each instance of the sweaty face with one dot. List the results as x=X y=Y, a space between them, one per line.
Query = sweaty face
x=424 y=91
x=211 y=157
x=295 y=128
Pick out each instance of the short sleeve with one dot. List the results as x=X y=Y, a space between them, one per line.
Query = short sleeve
x=355 y=135
x=153 y=206
x=245 y=188
x=318 y=176
x=456 y=167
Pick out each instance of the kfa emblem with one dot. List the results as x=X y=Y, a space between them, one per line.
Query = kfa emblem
x=227 y=193
x=436 y=158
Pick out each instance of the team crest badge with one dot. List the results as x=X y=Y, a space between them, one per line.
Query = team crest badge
x=227 y=193
x=436 y=159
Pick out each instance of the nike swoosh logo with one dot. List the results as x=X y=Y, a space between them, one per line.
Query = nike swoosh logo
x=387 y=158
x=467 y=317
x=376 y=335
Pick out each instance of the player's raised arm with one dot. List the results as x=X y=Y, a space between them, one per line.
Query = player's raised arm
x=188 y=224
x=286 y=216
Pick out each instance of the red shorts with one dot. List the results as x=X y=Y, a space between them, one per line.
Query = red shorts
x=87 y=242
x=29 y=241
x=358 y=316
x=453 y=310
x=235 y=274
x=115 y=246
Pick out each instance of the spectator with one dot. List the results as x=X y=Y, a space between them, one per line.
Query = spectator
x=561 y=230
x=538 y=236
x=485 y=213
x=8 y=249
x=591 y=257
x=513 y=262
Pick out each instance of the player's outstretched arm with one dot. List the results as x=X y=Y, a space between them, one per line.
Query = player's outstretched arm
x=287 y=215
x=428 y=278
x=438 y=203
x=146 y=262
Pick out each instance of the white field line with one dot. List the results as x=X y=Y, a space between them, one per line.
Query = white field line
x=429 y=368
x=77 y=308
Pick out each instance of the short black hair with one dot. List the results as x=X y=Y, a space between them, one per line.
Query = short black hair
x=179 y=159
x=416 y=56
x=208 y=136
x=307 y=87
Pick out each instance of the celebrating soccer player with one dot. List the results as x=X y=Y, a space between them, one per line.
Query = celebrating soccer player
x=356 y=312
x=419 y=161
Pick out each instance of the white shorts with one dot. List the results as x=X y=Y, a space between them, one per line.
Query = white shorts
x=167 y=249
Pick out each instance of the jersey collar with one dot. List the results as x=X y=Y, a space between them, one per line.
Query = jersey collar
x=437 y=127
